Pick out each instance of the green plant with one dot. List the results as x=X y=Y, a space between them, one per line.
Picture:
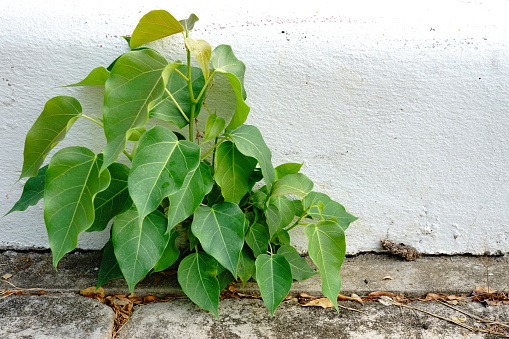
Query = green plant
x=217 y=185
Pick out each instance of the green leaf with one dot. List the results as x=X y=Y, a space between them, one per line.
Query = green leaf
x=246 y=268
x=287 y=168
x=48 y=130
x=297 y=184
x=153 y=26
x=97 y=77
x=72 y=182
x=197 y=277
x=185 y=201
x=135 y=82
x=138 y=246
x=331 y=209
x=166 y=108
x=112 y=201
x=109 y=268
x=188 y=23
x=327 y=247
x=170 y=254
x=33 y=191
x=232 y=172
x=249 y=141
x=214 y=127
x=279 y=214
x=225 y=277
x=220 y=231
x=160 y=167
x=299 y=265
x=224 y=61
x=258 y=238
x=201 y=51
x=274 y=276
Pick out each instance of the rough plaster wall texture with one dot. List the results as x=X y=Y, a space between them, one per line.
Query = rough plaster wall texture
x=398 y=110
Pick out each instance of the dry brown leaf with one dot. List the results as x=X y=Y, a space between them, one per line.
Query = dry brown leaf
x=6 y=276
x=458 y=319
x=320 y=302
x=381 y=293
x=483 y=290
x=304 y=295
x=345 y=298
x=93 y=292
x=387 y=277
x=150 y=298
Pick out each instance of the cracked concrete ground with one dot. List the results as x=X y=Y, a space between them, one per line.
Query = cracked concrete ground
x=63 y=313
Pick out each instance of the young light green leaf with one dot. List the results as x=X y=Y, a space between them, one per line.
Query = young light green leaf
x=197 y=277
x=153 y=26
x=220 y=231
x=109 y=268
x=274 y=277
x=331 y=209
x=233 y=170
x=224 y=61
x=257 y=238
x=249 y=141
x=241 y=108
x=246 y=268
x=97 y=77
x=287 y=168
x=72 y=182
x=48 y=130
x=172 y=108
x=201 y=51
x=138 y=246
x=112 y=201
x=185 y=201
x=160 y=167
x=299 y=266
x=188 y=23
x=214 y=127
x=32 y=192
x=126 y=109
x=327 y=247
x=297 y=184
x=279 y=214
x=170 y=254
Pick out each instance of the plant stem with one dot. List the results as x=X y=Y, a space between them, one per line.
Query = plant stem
x=212 y=148
x=176 y=104
x=92 y=119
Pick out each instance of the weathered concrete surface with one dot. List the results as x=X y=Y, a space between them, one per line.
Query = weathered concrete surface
x=361 y=275
x=65 y=315
x=244 y=318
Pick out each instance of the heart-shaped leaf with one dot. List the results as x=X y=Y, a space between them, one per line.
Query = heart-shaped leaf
x=246 y=268
x=160 y=166
x=220 y=229
x=214 y=127
x=249 y=141
x=297 y=184
x=197 y=277
x=185 y=201
x=233 y=170
x=69 y=209
x=327 y=248
x=223 y=60
x=109 y=268
x=330 y=209
x=33 y=191
x=138 y=246
x=189 y=23
x=112 y=201
x=48 y=130
x=126 y=109
x=279 y=214
x=257 y=238
x=299 y=266
x=153 y=26
x=97 y=77
x=173 y=106
x=170 y=254
x=287 y=168
x=274 y=277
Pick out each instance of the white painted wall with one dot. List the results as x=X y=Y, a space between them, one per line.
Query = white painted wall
x=399 y=111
